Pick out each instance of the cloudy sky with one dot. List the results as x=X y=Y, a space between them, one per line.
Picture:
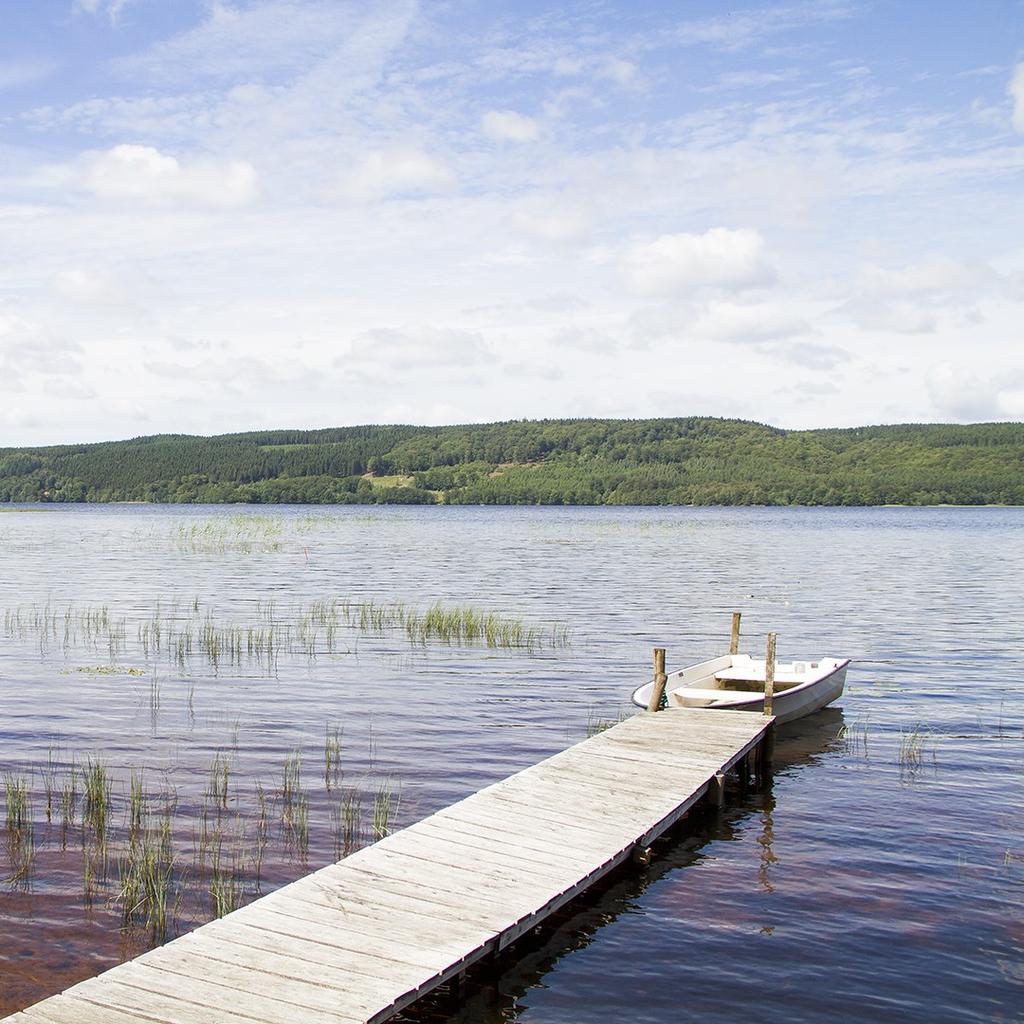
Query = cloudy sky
x=233 y=214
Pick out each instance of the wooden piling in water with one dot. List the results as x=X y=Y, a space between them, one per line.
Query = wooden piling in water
x=716 y=789
x=734 y=640
x=769 y=674
x=766 y=753
x=660 y=679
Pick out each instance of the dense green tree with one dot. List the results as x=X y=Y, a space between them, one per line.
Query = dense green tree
x=687 y=460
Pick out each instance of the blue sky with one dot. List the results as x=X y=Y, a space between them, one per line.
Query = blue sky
x=233 y=214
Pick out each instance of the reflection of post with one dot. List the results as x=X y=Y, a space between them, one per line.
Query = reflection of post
x=765 y=840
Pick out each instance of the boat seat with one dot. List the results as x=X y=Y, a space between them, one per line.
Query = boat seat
x=694 y=692
x=733 y=675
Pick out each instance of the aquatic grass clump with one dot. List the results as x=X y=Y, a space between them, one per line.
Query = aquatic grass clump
x=16 y=800
x=225 y=886
x=184 y=634
x=468 y=625
x=347 y=822
x=110 y=670
x=245 y=533
x=136 y=802
x=49 y=774
x=21 y=837
x=262 y=833
x=147 y=882
x=332 y=755
x=854 y=737
x=219 y=780
x=68 y=627
x=68 y=803
x=96 y=798
x=916 y=750
x=385 y=807
x=295 y=805
x=596 y=725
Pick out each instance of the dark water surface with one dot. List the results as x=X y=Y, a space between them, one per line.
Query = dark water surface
x=879 y=878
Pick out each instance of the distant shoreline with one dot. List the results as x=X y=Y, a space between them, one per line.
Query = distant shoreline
x=702 y=462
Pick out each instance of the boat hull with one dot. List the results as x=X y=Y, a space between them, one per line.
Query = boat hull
x=787 y=705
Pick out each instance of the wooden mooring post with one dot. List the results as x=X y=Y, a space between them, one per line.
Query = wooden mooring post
x=766 y=749
x=660 y=679
x=734 y=640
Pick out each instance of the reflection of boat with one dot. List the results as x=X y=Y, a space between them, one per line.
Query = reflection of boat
x=737 y=681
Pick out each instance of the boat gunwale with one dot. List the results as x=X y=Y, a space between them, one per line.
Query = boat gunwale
x=755 y=696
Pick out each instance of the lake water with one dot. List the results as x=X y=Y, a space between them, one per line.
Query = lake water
x=880 y=877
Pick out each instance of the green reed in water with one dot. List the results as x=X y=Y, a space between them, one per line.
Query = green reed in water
x=68 y=803
x=854 y=737
x=133 y=838
x=190 y=635
x=916 y=749
x=136 y=802
x=97 y=793
x=295 y=804
x=385 y=807
x=16 y=797
x=219 y=780
x=596 y=725
x=147 y=878
x=347 y=822
x=332 y=755
x=21 y=841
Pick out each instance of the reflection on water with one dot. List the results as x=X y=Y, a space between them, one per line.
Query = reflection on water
x=879 y=877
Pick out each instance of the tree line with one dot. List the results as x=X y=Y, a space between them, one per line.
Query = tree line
x=671 y=461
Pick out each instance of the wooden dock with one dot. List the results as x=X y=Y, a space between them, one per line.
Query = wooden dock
x=361 y=939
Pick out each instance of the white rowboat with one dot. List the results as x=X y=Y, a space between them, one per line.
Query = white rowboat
x=736 y=682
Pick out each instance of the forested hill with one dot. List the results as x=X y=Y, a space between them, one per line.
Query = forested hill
x=701 y=461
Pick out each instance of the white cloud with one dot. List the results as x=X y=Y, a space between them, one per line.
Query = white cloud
x=26 y=347
x=721 y=258
x=67 y=389
x=918 y=297
x=742 y=28
x=112 y=8
x=24 y=71
x=935 y=275
x=898 y=317
x=400 y=172
x=561 y=227
x=265 y=41
x=509 y=126
x=812 y=356
x=730 y=321
x=957 y=392
x=240 y=374
x=87 y=286
x=716 y=320
x=585 y=339
x=418 y=347
x=618 y=70
x=1016 y=91
x=144 y=174
x=749 y=79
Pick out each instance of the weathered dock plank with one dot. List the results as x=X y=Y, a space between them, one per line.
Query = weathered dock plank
x=357 y=941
